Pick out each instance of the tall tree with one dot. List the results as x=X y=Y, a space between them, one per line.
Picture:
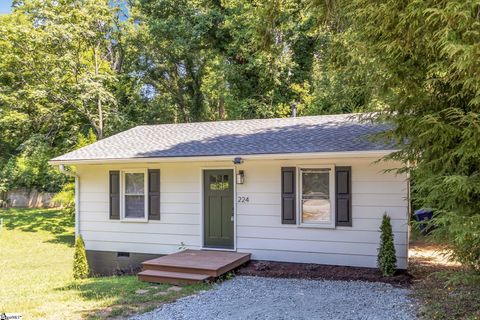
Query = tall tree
x=58 y=64
x=72 y=65
x=430 y=51
x=240 y=59
x=62 y=55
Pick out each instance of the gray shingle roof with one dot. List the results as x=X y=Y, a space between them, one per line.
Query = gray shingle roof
x=335 y=133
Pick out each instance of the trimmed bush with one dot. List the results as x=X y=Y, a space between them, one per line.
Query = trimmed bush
x=387 y=259
x=80 y=263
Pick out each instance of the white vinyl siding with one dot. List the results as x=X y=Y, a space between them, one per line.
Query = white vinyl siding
x=258 y=223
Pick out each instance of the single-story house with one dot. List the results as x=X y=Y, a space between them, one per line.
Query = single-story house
x=300 y=189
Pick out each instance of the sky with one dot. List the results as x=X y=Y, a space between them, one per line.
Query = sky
x=5 y=6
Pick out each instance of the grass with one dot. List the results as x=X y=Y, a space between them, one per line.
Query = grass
x=36 y=254
x=445 y=289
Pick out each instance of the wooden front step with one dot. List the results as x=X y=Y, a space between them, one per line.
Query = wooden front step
x=210 y=273
x=213 y=263
x=204 y=264
x=171 y=277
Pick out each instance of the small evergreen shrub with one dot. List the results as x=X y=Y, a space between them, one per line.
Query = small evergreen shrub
x=387 y=259
x=80 y=263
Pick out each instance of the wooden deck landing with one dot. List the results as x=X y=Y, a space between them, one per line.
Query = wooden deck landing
x=190 y=266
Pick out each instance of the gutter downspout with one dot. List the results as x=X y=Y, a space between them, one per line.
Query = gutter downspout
x=409 y=208
x=62 y=169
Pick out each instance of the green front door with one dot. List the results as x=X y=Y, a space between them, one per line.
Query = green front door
x=218 y=208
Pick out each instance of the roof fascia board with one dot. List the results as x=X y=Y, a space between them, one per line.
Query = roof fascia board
x=276 y=156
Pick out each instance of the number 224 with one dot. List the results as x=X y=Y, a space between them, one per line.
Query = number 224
x=243 y=199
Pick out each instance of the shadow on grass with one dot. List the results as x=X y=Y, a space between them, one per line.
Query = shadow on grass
x=121 y=297
x=118 y=287
x=67 y=239
x=53 y=221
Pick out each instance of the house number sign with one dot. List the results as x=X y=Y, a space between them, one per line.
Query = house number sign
x=243 y=199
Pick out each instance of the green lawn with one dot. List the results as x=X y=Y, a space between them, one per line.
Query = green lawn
x=36 y=254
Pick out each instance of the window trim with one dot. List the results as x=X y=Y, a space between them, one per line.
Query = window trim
x=331 y=180
x=123 y=218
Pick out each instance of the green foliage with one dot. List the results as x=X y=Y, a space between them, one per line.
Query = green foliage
x=65 y=198
x=85 y=140
x=241 y=59
x=462 y=235
x=387 y=259
x=81 y=269
x=430 y=52
x=29 y=168
x=69 y=67
x=57 y=63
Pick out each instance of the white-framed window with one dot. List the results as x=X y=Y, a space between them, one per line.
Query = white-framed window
x=316 y=199
x=134 y=195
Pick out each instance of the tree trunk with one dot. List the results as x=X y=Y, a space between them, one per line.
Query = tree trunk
x=100 y=118
x=99 y=127
x=221 y=107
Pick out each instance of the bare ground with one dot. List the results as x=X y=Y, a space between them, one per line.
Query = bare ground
x=444 y=288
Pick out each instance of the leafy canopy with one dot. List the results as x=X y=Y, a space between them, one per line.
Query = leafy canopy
x=73 y=65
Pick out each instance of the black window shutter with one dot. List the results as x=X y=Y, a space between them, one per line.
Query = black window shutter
x=288 y=195
x=343 y=196
x=115 y=195
x=154 y=194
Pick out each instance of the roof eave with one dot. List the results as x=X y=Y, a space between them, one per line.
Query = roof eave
x=269 y=156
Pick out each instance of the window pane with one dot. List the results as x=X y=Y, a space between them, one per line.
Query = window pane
x=315 y=184
x=134 y=183
x=219 y=182
x=316 y=196
x=134 y=206
x=316 y=210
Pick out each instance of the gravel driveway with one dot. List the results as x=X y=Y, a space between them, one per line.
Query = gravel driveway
x=269 y=298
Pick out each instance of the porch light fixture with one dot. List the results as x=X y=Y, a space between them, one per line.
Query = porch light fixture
x=237 y=160
x=240 y=177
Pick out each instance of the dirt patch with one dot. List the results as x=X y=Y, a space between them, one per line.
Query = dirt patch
x=426 y=258
x=441 y=285
x=317 y=271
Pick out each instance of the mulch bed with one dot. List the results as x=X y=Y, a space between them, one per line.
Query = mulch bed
x=318 y=271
